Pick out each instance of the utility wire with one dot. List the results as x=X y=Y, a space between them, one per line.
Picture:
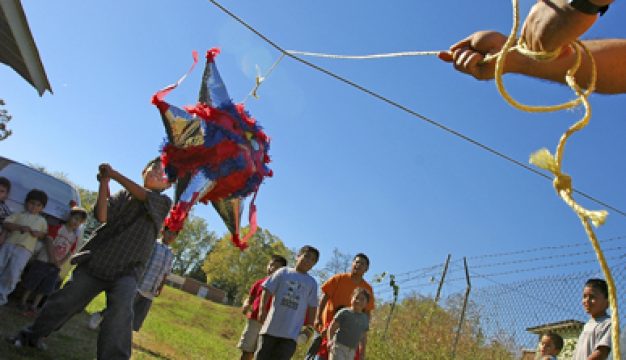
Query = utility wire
x=406 y=109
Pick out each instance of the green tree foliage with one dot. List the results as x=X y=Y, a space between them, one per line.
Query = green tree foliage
x=191 y=247
x=234 y=271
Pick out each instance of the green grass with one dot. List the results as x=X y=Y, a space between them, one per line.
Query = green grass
x=183 y=326
x=179 y=326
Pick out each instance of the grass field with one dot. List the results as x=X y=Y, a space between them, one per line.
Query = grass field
x=183 y=326
x=179 y=326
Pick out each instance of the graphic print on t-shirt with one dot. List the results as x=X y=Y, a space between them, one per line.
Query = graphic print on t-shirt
x=292 y=296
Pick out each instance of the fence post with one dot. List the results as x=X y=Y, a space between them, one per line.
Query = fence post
x=467 y=291
x=443 y=277
x=394 y=286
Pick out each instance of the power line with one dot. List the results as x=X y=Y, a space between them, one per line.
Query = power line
x=406 y=109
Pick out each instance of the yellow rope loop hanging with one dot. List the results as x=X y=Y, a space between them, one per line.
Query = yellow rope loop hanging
x=552 y=163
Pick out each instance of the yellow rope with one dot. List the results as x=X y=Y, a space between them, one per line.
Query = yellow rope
x=553 y=163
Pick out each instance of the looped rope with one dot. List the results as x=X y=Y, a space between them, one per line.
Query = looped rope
x=552 y=163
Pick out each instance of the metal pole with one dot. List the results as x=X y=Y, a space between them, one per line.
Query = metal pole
x=462 y=319
x=443 y=277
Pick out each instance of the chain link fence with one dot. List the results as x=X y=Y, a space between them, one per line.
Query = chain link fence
x=517 y=295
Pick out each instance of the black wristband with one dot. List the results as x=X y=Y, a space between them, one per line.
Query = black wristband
x=587 y=7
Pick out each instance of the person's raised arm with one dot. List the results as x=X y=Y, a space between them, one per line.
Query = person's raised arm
x=468 y=54
x=100 y=209
x=137 y=191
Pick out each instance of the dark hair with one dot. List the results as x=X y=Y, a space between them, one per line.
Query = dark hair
x=362 y=256
x=279 y=259
x=557 y=340
x=37 y=195
x=600 y=285
x=361 y=290
x=156 y=160
x=309 y=248
x=6 y=183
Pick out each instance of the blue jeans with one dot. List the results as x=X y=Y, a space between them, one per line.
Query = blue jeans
x=115 y=336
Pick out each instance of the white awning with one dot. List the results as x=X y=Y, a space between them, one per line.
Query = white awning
x=18 y=48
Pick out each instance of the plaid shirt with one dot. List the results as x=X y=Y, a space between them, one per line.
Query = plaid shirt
x=159 y=266
x=127 y=252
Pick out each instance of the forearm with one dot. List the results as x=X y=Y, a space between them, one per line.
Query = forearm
x=332 y=330
x=245 y=307
x=263 y=305
x=39 y=234
x=49 y=248
x=320 y=309
x=363 y=344
x=310 y=316
x=136 y=190
x=11 y=226
x=609 y=55
x=101 y=203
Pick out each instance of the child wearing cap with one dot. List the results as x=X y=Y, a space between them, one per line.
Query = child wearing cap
x=42 y=277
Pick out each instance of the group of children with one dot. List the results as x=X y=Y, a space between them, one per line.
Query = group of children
x=281 y=309
x=25 y=237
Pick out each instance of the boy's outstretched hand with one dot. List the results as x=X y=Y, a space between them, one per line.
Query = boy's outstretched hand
x=467 y=54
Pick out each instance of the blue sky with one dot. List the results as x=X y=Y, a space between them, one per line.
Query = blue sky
x=350 y=171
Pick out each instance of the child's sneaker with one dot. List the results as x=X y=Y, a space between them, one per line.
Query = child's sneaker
x=94 y=320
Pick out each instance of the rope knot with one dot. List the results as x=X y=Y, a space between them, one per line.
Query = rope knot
x=563 y=182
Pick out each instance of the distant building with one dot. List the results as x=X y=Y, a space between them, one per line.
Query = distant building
x=197 y=288
x=568 y=329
